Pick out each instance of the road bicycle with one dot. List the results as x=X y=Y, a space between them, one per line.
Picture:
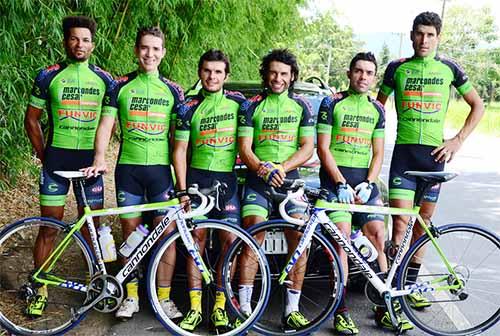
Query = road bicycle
x=77 y=277
x=459 y=275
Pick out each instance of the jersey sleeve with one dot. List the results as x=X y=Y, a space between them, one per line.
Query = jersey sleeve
x=110 y=107
x=307 y=120
x=245 y=116
x=388 y=83
x=178 y=95
x=460 y=79
x=40 y=90
x=325 y=116
x=185 y=113
x=379 y=131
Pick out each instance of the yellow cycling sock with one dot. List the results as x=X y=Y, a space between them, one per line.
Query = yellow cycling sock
x=163 y=293
x=133 y=289
x=43 y=291
x=195 y=299
x=220 y=300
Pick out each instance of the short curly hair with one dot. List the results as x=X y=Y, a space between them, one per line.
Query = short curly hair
x=428 y=19
x=78 y=22
x=283 y=56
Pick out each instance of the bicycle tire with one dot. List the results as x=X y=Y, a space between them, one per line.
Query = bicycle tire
x=474 y=254
x=320 y=295
x=17 y=241
x=211 y=256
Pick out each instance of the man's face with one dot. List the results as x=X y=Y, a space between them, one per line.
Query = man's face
x=212 y=75
x=361 y=76
x=149 y=53
x=425 y=40
x=279 y=77
x=79 y=45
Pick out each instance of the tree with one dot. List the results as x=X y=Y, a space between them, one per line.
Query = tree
x=327 y=49
x=467 y=36
x=31 y=36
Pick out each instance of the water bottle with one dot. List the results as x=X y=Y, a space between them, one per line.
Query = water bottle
x=107 y=243
x=133 y=240
x=364 y=246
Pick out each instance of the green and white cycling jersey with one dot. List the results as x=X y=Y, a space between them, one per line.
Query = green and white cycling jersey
x=352 y=119
x=145 y=103
x=421 y=88
x=72 y=93
x=276 y=122
x=208 y=121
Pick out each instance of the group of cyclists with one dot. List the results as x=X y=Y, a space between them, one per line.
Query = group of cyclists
x=273 y=133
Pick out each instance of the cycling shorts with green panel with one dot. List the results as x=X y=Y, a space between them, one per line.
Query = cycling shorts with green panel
x=352 y=120
x=145 y=104
x=72 y=93
x=421 y=88
x=257 y=203
x=353 y=176
x=276 y=122
x=54 y=188
x=412 y=157
x=208 y=121
x=139 y=184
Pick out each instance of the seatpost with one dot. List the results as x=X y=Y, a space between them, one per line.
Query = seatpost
x=422 y=187
x=82 y=190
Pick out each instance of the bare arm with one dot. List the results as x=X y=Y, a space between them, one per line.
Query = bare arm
x=101 y=144
x=301 y=156
x=247 y=155
x=180 y=163
x=328 y=163
x=377 y=159
x=382 y=98
x=34 y=130
x=450 y=147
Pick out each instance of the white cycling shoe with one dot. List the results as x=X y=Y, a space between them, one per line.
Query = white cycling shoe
x=170 y=309
x=129 y=307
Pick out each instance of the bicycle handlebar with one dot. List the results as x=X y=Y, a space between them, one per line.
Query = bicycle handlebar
x=209 y=198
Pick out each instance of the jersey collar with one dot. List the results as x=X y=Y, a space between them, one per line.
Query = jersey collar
x=427 y=58
x=152 y=74
x=78 y=64
x=211 y=95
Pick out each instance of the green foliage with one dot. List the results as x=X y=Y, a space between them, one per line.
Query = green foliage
x=31 y=38
x=489 y=124
x=327 y=49
x=467 y=37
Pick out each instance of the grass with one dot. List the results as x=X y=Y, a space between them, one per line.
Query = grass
x=489 y=124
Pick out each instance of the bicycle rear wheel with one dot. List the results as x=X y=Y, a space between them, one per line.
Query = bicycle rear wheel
x=74 y=266
x=213 y=256
x=474 y=254
x=321 y=289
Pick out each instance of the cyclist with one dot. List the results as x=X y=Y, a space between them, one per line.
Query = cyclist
x=72 y=93
x=351 y=150
x=207 y=123
x=144 y=101
x=421 y=86
x=275 y=137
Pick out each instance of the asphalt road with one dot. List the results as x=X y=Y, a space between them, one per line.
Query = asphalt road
x=476 y=191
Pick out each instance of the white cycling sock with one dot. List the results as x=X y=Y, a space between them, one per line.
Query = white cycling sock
x=245 y=295
x=292 y=300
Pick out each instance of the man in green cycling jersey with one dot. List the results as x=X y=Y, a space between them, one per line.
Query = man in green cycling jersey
x=206 y=124
x=421 y=86
x=144 y=101
x=275 y=137
x=72 y=93
x=351 y=149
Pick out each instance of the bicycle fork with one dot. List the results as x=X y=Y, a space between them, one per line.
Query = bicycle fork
x=192 y=248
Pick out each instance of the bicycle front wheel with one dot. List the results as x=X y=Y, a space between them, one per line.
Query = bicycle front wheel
x=320 y=274
x=440 y=307
x=17 y=287
x=169 y=266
